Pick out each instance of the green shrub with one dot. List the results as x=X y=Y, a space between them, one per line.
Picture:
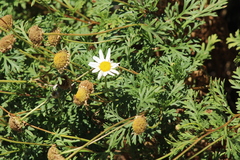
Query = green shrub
x=51 y=97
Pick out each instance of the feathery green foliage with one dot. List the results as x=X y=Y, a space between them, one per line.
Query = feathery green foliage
x=153 y=44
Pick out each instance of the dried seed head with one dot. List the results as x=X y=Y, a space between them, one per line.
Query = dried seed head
x=53 y=153
x=6 y=43
x=15 y=123
x=88 y=85
x=61 y=60
x=6 y=22
x=54 y=40
x=35 y=35
x=139 y=124
x=66 y=82
x=82 y=95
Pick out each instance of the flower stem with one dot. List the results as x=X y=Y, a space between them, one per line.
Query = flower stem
x=128 y=70
x=93 y=34
x=105 y=79
x=35 y=108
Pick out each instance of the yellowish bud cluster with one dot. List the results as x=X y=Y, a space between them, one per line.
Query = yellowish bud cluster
x=61 y=60
x=82 y=95
x=139 y=124
x=54 y=40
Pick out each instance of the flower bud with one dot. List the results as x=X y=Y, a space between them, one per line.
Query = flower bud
x=54 y=40
x=61 y=60
x=139 y=124
x=82 y=95
x=178 y=127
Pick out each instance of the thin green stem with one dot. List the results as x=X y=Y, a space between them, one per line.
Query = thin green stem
x=76 y=64
x=202 y=150
x=60 y=135
x=5 y=110
x=35 y=108
x=125 y=3
x=106 y=88
x=83 y=74
x=18 y=142
x=92 y=34
x=82 y=147
x=92 y=42
x=29 y=55
x=206 y=134
x=9 y=152
x=181 y=146
x=131 y=71
x=99 y=135
x=69 y=6
x=167 y=155
x=13 y=81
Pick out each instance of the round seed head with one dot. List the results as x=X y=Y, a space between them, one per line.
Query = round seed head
x=15 y=123
x=6 y=22
x=35 y=35
x=61 y=60
x=53 y=153
x=139 y=124
x=88 y=85
x=54 y=40
x=6 y=43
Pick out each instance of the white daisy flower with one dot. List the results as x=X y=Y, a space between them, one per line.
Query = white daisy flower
x=104 y=65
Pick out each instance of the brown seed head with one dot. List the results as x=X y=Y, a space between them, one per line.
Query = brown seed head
x=35 y=35
x=6 y=22
x=15 y=123
x=53 y=153
x=54 y=40
x=6 y=43
x=139 y=124
x=88 y=85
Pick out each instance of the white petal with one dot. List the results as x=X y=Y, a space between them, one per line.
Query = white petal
x=114 y=65
x=100 y=75
x=93 y=64
x=108 y=55
x=114 y=71
x=95 y=70
x=111 y=73
x=96 y=59
x=105 y=73
x=101 y=55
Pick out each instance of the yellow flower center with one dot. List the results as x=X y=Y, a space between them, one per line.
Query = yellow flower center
x=105 y=66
